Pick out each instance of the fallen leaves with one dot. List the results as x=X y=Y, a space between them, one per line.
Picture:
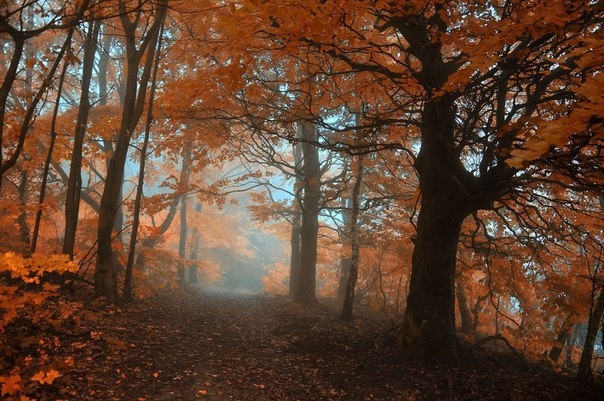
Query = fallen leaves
x=46 y=377
x=199 y=347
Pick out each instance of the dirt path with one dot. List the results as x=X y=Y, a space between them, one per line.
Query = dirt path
x=229 y=348
x=200 y=347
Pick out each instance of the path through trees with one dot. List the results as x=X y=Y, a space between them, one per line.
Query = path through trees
x=193 y=346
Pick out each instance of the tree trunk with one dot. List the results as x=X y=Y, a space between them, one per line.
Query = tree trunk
x=5 y=89
x=74 y=185
x=344 y=274
x=584 y=373
x=182 y=242
x=295 y=259
x=467 y=325
x=30 y=54
x=596 y=312
x=354 y=238
x=105 y=277
x=106 y=273
x=48 y=162
x=306 y=293
x=428 y=329
x=128 y=291
x=32 y=106
x=193 y=275
x=561 y=339
x=22 y=219
x=345 y=260
x=182 y=245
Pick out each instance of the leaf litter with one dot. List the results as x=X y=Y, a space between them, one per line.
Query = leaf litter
x=193 y=346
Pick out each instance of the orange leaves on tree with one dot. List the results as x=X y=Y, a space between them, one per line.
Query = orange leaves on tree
x=30 y=270
x=37 y=306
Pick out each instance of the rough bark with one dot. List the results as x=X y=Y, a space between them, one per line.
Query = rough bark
x=343 y=275
x=295 y=258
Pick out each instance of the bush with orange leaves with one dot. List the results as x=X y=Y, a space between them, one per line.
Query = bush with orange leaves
x=29 y=306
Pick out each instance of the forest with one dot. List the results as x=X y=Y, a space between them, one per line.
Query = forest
x=343 y=199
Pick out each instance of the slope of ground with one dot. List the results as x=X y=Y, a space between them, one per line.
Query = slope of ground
x=201 y=347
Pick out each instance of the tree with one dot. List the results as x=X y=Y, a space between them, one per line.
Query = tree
x=182 y=241
x=310 y=206
x=490 y=113
x=134 y=101
x=74 y=185
x=596 y=312
x=354 y=242
x=295 y=257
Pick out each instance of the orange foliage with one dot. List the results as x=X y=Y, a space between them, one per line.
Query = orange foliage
x=26 y=298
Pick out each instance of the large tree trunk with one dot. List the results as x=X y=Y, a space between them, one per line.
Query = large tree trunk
x=306 y=293
x=429 y=322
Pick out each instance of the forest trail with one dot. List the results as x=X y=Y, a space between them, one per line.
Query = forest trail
x=235 y=348
x=209 y=347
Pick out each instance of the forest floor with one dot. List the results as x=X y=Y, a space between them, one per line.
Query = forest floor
x=210 y=347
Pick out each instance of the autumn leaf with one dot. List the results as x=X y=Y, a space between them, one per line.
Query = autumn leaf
x=10 y=384
x=46 y=377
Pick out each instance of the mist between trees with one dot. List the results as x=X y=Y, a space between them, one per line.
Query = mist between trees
x=440 y=162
